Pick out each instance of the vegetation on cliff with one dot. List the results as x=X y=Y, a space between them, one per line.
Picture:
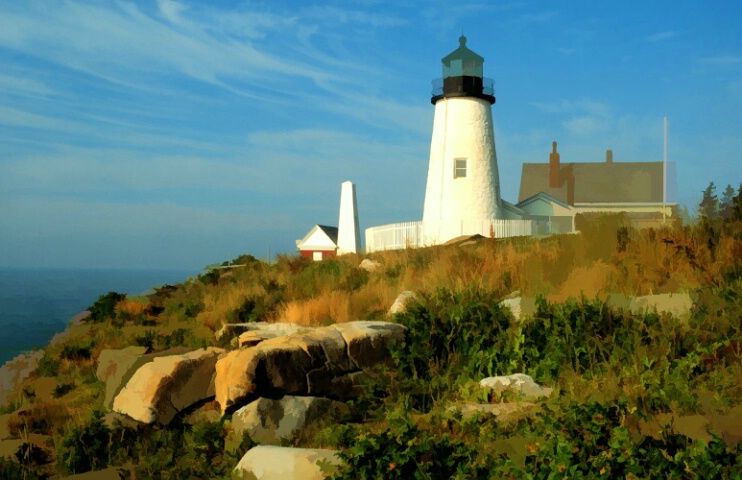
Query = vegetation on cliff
x=636 y=394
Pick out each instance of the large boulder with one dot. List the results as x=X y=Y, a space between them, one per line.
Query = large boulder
x=260 y=331
x=269 y=421
x=519 y=383
x=162 y=388
x=270 y=330
x=115 y=369
x=324 y=361
x=282 y=463
x=402 y=301
x=369 y=265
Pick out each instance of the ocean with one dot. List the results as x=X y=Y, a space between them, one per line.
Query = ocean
x=35 y=304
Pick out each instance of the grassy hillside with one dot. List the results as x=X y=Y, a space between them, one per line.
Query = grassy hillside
x=645 y=395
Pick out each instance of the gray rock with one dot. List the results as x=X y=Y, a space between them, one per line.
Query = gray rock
x=520 y=307
x=162 y=388
x=271 y=330
x=282 y=463
x=325 y=361
x=517 y=382
x=115 y=367
x=269 y=421
x=402 y=301
x=14 y=372
x=261 y=331
x=369 y=265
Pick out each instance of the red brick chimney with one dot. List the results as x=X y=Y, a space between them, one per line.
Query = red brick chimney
x=553 y=167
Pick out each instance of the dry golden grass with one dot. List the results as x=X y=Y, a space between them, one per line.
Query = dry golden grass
x=605 y=258
x=128 y=308
x=328 y=308
x=220 y=301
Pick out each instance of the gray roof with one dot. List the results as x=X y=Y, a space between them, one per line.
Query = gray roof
x=616 y=182
x=331 y=232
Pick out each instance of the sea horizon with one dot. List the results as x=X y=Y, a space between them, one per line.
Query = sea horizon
x=38 y=302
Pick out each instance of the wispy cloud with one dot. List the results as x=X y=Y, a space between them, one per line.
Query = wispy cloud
x=584 y=126
x=656 y=37
x=584 y=105
x=723 y=60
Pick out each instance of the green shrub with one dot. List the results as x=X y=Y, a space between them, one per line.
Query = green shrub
x=48 y=365
x=210 y=278
x=154 y=341
x=78 y=351
x=463 y=330
x=104 y=307
x=404 y=451
x=61 y=389
x=85 y=447
x=13 y=470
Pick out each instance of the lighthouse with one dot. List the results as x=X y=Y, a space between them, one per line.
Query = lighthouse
x=463 y=188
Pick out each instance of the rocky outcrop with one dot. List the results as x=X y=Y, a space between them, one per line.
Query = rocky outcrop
x=260 y=331
x=231 y=330
x=162 y=388
x=114 y=369
x=270 y=421
x=16 y=371
x=519 y=383
x=282 y=463
x=326 y=361
x=402 y=301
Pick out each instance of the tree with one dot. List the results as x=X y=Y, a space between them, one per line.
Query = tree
x=737 y=205
x=709 y=206
x=726 y=208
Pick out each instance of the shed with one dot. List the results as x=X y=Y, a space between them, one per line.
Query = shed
x=320 y=243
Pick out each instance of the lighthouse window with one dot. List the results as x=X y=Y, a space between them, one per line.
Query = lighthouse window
x=459 y=169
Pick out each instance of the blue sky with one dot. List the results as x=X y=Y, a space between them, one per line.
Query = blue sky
x=166 y=134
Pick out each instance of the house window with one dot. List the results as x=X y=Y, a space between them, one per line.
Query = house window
x=459 y=168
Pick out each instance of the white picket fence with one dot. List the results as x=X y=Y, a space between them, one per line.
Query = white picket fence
x=414 y=234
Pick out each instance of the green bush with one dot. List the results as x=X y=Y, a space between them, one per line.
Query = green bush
x=154 y=341
x=12 y=470
x=61 y=389
x=404 y=451
x=104 y=307
x=85 y=447
x=78 y=351
x=48 y=365
x=464 y=330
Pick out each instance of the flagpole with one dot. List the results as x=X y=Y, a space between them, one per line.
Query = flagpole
x=664 y=172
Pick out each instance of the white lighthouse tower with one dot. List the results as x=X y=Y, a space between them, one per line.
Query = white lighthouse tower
x=463 y=187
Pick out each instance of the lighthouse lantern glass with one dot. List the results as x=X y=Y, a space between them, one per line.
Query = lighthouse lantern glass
x=462 y=62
